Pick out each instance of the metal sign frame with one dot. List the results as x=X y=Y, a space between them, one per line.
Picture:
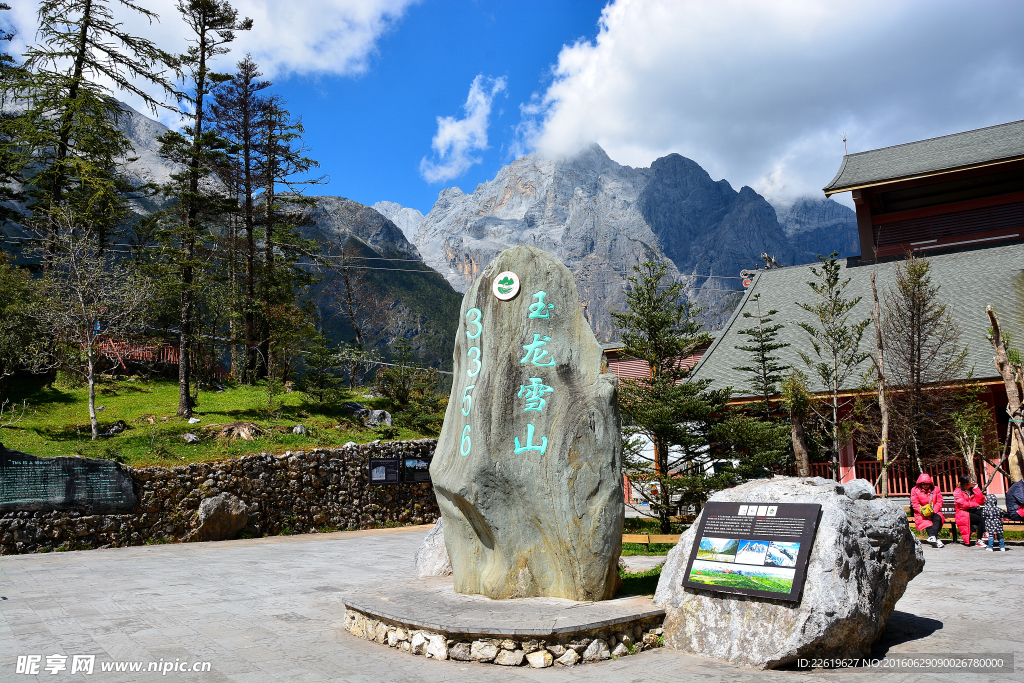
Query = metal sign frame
x=753 y=548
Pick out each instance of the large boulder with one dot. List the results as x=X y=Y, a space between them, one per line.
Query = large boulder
x=863 y=556
x=221 y=517
x=527 y=469
x=432 y=555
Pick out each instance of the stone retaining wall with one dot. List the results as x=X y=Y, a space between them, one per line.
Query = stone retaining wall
x=567 y=649
x=300 y=492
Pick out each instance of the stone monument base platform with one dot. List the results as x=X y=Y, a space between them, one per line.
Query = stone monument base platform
x=427 y=617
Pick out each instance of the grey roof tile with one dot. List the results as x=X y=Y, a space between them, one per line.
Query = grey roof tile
x=946 y=153
x=969 y=281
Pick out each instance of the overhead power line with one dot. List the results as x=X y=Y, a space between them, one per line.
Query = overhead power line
x=588 y=269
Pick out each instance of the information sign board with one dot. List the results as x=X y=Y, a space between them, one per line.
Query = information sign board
x=29 y=483
x=758 y=549
x=416 y=470
x=384 y=471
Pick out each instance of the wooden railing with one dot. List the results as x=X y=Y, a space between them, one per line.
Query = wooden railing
x=155 y=351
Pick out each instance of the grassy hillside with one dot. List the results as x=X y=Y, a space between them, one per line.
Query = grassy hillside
x=57 y=423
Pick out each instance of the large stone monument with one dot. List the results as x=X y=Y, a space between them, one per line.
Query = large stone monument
x=861 y=560
x=527 y=470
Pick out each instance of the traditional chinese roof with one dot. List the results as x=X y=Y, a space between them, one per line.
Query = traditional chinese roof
x=959 y=151
x=969 y=281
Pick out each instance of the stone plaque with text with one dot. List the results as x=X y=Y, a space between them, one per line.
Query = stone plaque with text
x=30 y=483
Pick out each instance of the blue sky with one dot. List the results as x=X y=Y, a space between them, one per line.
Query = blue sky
x=370 y=132
x=758 y=93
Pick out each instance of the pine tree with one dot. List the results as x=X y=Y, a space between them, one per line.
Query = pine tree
x=925 y=362
x=321 y=381
x=201 y=153
x=765 y=370
x=678 y=415
x=9 y=151
x=68 y=141
x=19 y=337
x=836 y=343
x=281 y=165
x=238 y=113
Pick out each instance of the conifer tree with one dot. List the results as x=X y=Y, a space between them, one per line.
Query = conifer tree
x=678 y=415
x=321 y=381
x=765 y=370
x=68 y=141
x=238 y=114
x=9 y=151
x=200 y=152
x=835 y=340
x=925 y=362
x=282 y=166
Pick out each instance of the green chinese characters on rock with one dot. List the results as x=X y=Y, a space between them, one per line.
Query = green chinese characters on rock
x=534 y=392
x=527 y=470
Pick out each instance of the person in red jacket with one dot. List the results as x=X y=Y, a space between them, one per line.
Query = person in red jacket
x=925 y=497
x=968 y=500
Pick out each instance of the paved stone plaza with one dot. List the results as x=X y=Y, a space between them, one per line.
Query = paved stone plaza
x=271 y=610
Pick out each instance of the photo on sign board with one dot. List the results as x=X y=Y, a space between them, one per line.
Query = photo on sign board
x=782 y=554
x=718 y=549
x=417 y=470
x=715 y=574
x=752 y=552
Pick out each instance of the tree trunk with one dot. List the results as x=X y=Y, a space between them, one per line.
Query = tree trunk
x=91 y=379
x=835 y=436
x=803 y=458
x=1013 y=395
x=666 y=510
x=883 y=406
x=184 y=366
x=969 y=457
x=191 y=225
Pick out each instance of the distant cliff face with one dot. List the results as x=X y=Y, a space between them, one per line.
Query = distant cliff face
x=820 y=226
x=407 y=219
x=601 y=218
x=584 y=210
x=421 y=306
x=337 y=218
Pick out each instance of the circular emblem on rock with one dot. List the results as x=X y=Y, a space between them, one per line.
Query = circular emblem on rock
x=506 y=285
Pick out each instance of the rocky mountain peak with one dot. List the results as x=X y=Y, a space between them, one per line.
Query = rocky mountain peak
x=408 y=220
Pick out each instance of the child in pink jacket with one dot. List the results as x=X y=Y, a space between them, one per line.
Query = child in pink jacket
x=925 y=494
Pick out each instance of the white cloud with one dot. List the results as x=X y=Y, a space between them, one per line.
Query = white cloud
x=458 y=139
x=299 y=37
x=761 y=93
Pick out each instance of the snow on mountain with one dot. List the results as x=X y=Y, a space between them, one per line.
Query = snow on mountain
x=408 y=220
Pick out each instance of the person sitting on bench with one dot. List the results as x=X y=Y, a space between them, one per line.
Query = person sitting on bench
x=968 y=499
x=926 y=501
x=1015 y=501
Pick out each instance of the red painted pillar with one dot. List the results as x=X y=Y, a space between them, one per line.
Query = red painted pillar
x=847 y=469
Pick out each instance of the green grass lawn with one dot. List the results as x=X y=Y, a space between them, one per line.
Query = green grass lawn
x=57 y=422
x=759 y=583
x=640 y=583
